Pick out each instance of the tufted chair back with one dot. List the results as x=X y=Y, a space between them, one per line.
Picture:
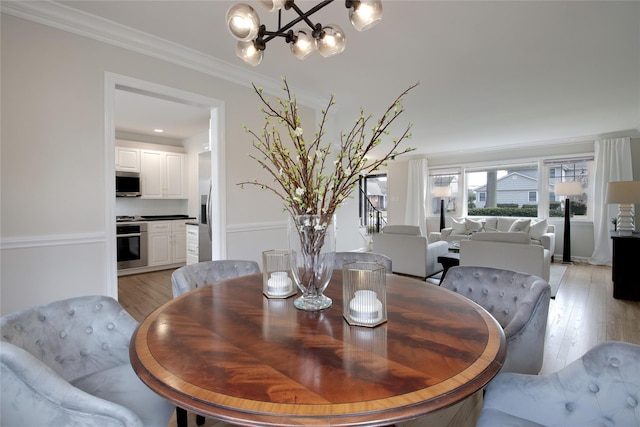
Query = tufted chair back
x=602 y=388
x=74 y=337
x=518 y=301
x=343 y=258
x=192 y=276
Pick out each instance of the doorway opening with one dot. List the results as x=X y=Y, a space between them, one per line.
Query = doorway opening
x=116 y=85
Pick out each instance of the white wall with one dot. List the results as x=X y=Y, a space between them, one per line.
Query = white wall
x=53 y=223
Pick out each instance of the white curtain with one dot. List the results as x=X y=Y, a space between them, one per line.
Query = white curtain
x=613 y=163
x=415 y=212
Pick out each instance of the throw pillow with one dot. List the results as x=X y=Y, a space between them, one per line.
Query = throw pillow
x=538 y=228
x=458 y=226
x=522 y=225
x=473 y=226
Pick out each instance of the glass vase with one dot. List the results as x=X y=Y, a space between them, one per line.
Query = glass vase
x=312 y=240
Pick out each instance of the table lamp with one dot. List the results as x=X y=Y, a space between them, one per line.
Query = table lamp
x=567 y=189
x=625 y=193
x=442 y=192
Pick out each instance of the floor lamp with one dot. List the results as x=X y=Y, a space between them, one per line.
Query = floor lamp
x=442 y=192
x=625 y=193
x=567 y=189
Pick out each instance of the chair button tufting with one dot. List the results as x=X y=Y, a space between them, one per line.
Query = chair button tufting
x=632 y=402
x=105 y=346
x=89 y=329
x=83 y=353
x=594 y=388
x=63 y=334
x=41 y=317
x=485 y=291
x=18 y=327
x=501 y=293
x=98 y=307
x=570 y=406
x=110 y=326
x=71 y=312
x=615 y=362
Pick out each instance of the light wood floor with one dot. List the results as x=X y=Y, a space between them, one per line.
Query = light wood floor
x=583 y=313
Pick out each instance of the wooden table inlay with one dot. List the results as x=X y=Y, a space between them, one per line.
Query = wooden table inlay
x=226 y=351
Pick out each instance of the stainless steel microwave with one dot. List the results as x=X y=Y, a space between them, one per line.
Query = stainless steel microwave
x=128 y=184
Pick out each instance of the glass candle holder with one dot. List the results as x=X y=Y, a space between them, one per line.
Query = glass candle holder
x=276 y=274
x=364 y=293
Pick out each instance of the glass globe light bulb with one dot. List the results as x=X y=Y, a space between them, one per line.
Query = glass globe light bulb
x=365 y=14
x=333 y=42
x=272 y=5
x=304 y=44
x=248 y=52
x=243 y=22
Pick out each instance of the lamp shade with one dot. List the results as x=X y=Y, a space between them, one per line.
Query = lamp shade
x=303 y=45
x=248 y=52
x=624 y=192
x=243 y=22
x=365 y=14
x=572 y=188
x=332 y=42
x=442 y=191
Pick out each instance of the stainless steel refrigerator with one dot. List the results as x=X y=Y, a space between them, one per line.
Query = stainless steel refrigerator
x=204 y=189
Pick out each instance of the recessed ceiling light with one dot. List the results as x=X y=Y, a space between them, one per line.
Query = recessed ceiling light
x=158 y=130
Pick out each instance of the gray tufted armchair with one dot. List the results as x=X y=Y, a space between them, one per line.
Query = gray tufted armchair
x=602 y=388
x=518 y=301
x=343 y=258
x=67 y=364
x=191 y=276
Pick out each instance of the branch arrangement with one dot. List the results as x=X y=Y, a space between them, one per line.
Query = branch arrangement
x=308 y=180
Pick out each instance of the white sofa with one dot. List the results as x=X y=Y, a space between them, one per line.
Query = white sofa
x=409 y=250
x=510 y=251
x=538 y=229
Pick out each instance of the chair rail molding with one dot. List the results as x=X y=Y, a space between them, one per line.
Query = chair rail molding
x=28 y=242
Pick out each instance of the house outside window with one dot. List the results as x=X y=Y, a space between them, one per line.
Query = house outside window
x=503 y=191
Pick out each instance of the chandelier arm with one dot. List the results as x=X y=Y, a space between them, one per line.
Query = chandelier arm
x=303 y=16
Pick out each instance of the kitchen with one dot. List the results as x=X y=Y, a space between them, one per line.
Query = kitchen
x=163 y=169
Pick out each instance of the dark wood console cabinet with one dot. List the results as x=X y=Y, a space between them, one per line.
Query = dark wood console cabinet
x=624 y=270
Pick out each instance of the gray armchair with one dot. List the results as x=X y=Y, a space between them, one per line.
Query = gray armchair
x=602 y=388
x=191 y=276
x=343 y=258
x=518 y=301
x=67 y=364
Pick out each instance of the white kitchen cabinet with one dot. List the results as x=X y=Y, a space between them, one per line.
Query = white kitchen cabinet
x=167 y=242
x=163 y=175
x=127 y=159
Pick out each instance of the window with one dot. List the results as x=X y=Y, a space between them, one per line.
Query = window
x=503 y=191
x=567 y=170
x=373 y=202
x=444 y=185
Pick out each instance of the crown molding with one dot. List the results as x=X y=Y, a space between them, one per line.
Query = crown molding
x=74 y=21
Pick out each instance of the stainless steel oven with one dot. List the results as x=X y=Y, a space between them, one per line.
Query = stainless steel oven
x=131 y=240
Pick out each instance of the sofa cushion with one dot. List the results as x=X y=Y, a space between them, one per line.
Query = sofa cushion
x=121 y=385
x=473 y=226
x=510 y=237
x=408 y=230
x=458 y=226
x=537 y=229
x=504 y=223
x=520 y=225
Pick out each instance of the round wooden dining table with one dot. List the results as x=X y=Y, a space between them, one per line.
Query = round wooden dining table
x=228 y=352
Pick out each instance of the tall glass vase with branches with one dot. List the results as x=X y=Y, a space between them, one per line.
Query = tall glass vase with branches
x=314 y=179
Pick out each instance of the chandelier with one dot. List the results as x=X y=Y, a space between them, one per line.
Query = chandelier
x=244 y=25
